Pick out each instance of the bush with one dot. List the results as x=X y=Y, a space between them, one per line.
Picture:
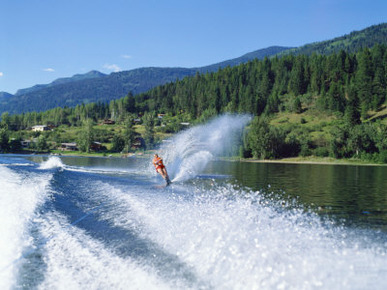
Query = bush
x=321 y=152
x=383 y=156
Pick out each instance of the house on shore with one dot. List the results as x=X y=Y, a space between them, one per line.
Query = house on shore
x=96 y=146
x=68 y=147
x=25 y=144
x=108 y=122
x=40 y=128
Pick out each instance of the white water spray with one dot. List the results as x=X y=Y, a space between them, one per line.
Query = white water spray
x=20 y=195
x=51 y=163
x=189 y=152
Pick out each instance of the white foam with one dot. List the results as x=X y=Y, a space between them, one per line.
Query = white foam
x=239 y=240
x=51 y=163
x=76 y=261
x=19 y=198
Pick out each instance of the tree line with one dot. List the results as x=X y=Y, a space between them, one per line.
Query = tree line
x=349 y=85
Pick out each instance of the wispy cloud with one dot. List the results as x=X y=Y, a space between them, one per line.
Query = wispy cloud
x=1 y=74
x=126 y=56
x=49 y=69
x=112 y=67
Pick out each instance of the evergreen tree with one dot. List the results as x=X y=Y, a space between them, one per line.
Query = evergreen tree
x=364 y=77
x=118 y=143
x=86 y=136
x=336 y=100
x=129 y=134
x=297 y=77
x=149 y=135
x=297 y=105
x=41 y=143
x=4 y=139
x=352 y=111
x=15 y=144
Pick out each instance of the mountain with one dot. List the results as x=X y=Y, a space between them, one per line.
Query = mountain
x=78 y=77
x=260 y=54
x=97 y=87
x=5 y=96
x=356 y=40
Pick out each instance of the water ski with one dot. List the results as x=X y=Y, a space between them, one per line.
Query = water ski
x=168 y=181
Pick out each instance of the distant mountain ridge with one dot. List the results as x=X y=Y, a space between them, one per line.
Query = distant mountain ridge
x=4 y=96
x=259 y=54
x=95 y=86
x=78 y=77
x=368 y=37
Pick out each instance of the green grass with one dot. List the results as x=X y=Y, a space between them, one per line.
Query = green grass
x=317 y=123
x=380 y=114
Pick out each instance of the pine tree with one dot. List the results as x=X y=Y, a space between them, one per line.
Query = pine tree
x=352 y=112
x=149 y=135
x=297 y=77
x=4 y=139
x=129 y=133
x=364 y=76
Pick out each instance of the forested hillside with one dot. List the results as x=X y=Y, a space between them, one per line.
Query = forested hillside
x=269 y=86
x=303 y=104
x=97 y=87
x=353 y=42
x=345 y=89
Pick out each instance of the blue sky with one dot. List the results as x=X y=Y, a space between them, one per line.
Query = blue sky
x=42 y=40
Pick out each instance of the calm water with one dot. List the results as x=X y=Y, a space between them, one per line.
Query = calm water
x=100 y=223
x=356 y=193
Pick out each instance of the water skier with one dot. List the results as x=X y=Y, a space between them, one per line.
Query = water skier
x=160 y=168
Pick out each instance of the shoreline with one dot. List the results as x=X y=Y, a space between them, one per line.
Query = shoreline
x=294 y=160
x=315 y=161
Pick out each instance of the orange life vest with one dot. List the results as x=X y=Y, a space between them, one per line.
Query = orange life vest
x=158 y=162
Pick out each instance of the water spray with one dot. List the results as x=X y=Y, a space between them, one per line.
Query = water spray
x=188 y=152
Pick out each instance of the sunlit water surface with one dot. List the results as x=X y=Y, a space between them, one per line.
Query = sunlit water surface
x=109 y=223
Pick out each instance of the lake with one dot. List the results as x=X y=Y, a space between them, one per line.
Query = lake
x=110 y=223
x=354 y=192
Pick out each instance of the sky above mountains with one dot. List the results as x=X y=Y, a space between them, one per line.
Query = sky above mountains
x=42 y=40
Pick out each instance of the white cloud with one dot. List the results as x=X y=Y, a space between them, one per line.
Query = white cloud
x=112 y=67
x=126 y=56
x=1 y=74
x=48 y=69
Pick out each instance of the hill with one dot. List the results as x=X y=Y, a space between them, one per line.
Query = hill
x=97 y=87
x=353 y=42
x=321 y=105
x=259 y=54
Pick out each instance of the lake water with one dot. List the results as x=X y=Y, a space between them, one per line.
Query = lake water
x=110 y=223
x=358 y=194
x=99 y=223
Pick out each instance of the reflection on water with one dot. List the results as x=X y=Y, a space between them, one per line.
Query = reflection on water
x=356 y=193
